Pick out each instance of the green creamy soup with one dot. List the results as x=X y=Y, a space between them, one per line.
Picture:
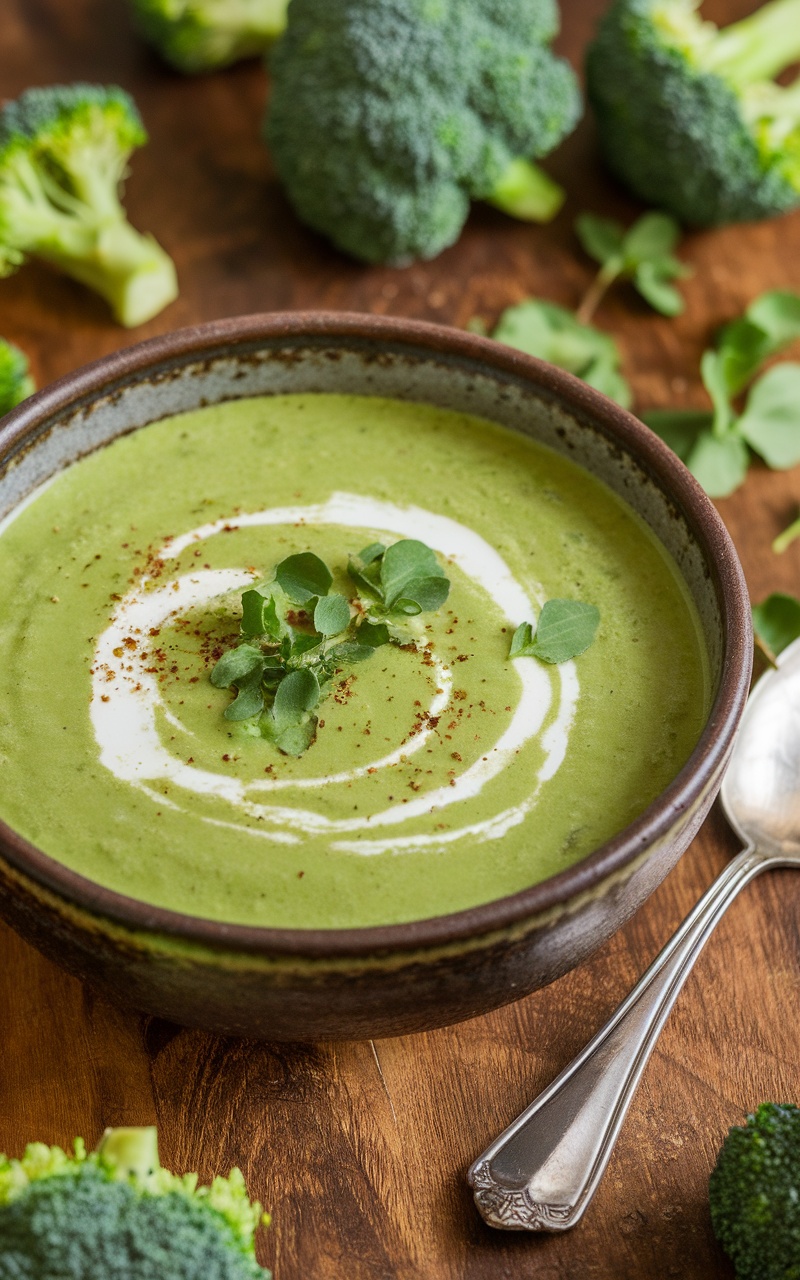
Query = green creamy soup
x=443 y=774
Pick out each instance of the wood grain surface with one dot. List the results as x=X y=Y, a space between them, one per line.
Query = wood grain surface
x=360 y=1150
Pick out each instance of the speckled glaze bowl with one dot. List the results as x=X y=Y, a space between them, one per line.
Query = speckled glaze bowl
x=350 y=984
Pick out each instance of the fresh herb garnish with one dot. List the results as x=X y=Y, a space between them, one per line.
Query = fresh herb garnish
x=296 y=634
x=553 y=333
x=565 y=629
x=776 y=622
x=716 y=445
x=643 y=254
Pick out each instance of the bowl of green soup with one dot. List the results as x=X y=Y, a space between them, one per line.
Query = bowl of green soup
x=299 y=738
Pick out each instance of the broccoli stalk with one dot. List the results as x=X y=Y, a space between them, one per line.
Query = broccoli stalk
x=526 y=192
x=16 y=383
x=63 y=155
x=117 y=1214
x=689 y=114
x=200 y=35
x=388 y=117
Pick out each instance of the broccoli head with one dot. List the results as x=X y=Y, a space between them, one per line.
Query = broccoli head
x=388 y=117
x=118 y=1215
x=688 y=114
x=755 y=1194
x=63 y=155
x=199 y=35
x=16 y=383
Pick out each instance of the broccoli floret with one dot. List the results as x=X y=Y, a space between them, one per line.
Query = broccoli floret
x=755 y=1194
x=689 y=117
x=63 y=155
x=16 y=383
x=199 y=35
x=117 y=1215
x=388 y=116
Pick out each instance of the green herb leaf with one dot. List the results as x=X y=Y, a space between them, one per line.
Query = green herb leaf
x=652 y=281
x=601 y=238
x=405 y=566
x=249 y=700
x=351 y=651
x=521 y=641
x=777 y=622
x=303 y=577
x=777 y=313
x=565 y=629
x=297 y=694
x=742 y=347
x=236 y=665
x=260 y=616
x=771 y=421
x=651 y=237
x=679 y=428
x=331 y=615
x=302 y=642
x=719 y=464
x=372 y=634
x=553 y=333
x=373 y=552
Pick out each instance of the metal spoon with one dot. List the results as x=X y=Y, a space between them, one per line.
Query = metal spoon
x=541 y=1173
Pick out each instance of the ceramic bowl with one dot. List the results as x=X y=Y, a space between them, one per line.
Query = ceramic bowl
x=358 y=983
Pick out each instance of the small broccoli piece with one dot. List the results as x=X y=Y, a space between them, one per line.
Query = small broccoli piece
x=63 y=155
x=755 y=1194
x=16 y=383
x=118 y=1215
x=200 y=35
x=388 y=117
x=689 y=116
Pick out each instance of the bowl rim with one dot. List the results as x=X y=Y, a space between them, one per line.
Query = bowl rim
x=218 y=338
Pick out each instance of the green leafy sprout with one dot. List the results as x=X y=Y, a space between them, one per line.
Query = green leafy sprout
x=786 y=537
x=116 y=1213
x=553 y=333
x=63 y=155
x=643 y=254
x=754 y=1194
x=297 y=634
x=201 y=35
x=717 y=444
x=16 y=383
x=776 y=623
x=565 y=629
x=689 y=115
x=418 y=108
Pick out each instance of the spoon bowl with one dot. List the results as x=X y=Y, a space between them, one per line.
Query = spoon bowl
x=760 y=793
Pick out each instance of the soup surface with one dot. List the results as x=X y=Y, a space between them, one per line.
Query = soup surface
x=442 y=776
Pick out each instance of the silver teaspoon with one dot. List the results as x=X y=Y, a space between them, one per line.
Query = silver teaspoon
x=541 y=1173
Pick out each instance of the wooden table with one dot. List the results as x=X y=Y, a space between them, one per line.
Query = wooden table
x=359 y=1150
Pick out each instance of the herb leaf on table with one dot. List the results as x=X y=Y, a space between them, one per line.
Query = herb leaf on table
x=717 y=446
x=287 y=657
x=776 y=622
x=643 y=255
x=565 y=629
x=553 y=333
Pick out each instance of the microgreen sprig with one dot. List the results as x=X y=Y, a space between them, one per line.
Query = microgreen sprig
x=565 y=629
x=296 y=634
x=717 y=444
x=643 y=254
x=553 y=333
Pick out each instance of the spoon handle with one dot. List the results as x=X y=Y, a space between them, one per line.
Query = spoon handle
x=541 y=1173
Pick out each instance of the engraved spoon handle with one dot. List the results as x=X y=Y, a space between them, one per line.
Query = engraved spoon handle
x=541 y=1173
